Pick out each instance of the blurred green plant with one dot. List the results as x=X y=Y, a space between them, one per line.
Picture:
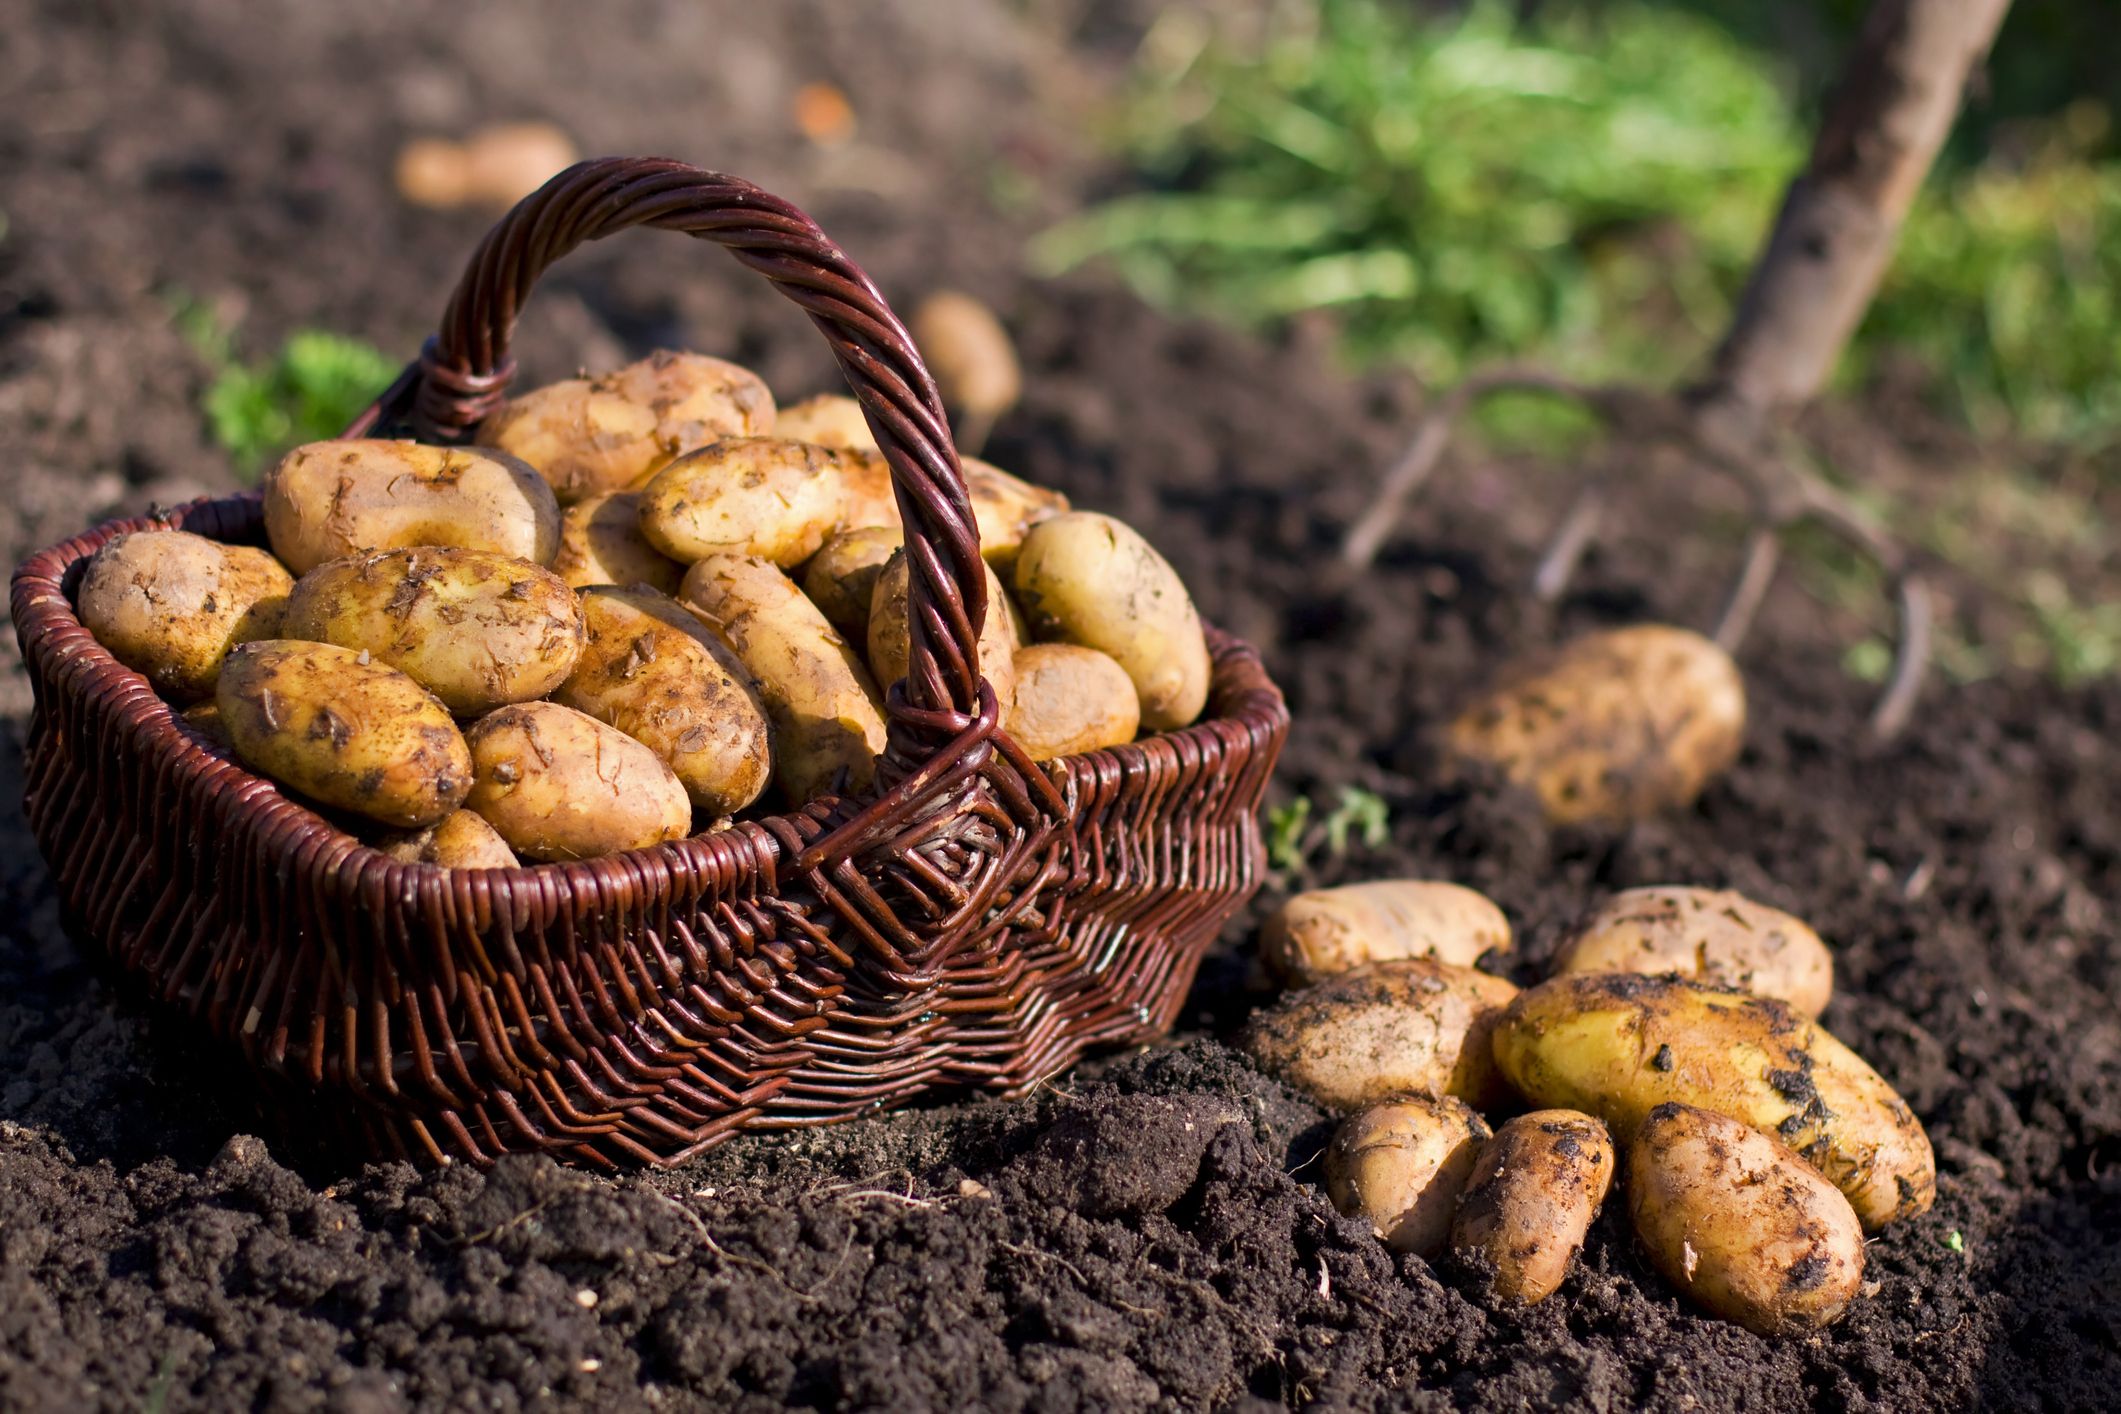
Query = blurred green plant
x=316 y=384
x=1292 y=838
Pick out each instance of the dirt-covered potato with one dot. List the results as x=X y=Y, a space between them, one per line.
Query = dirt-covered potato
x=1005 y=508
x=824 y=708
x=890 y=641
x=1325 y=932
x=1618 y=1044
x=1086 y=578
x=476 y=629
x=205 y=719
x=1069 y=700
x=841 y=577
x=1712 y=935
x=459 y=840
x=343 y=730
x=827 y=420
x=591 y=435
x=1417 y=1026
x=745 y=496
x=169 y=605
x=329 y=500
x=1401 y=1166
x=971 y=356
x=558 y=784
x=601 y=543
x=1741 y=1224
x=1536 y=1188
x=1613 y=726
x=866 y=496
x=654 y=671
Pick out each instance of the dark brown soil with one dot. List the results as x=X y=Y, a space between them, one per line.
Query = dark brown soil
x=1149 y=1230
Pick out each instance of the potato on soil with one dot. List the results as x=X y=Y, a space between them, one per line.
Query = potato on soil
x=591 y=435
x=1711 y=935
x=827 y=420
x=1739 y=1223
x=745 y=496
x=329 y=500
x=654 y=671
x=476 y=629
x=1325 y=932
x=841 y=577
x=1070 y=700
x=558 y=784
x=494 y=167
x=1618 y=1044
x=1005 y=508
x=1614 y=726
x=344 y=730
x=1086 y=578
x=890 y=640
x=169 y=605
x=1401 y=1165
x=822 y=704
x=970 y=354
x=460 y=840
x=601 y=543
x=1537 y=1186
x=1393 y=1028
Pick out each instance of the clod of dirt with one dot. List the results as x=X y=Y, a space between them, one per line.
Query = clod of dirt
x=1139 y=1154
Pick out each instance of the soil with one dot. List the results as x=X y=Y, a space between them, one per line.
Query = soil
x=1149 y=1230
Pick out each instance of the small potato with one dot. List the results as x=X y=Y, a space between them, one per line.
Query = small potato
x=1534 y=1192
x=971 y=356
x=494 y=167
x=476 y=629
x=590 y=435
x=205 y=719
x=1070 y=700
x=890 y=640
x=558 y=784
x=652 y=669
x=1740 y=1224
x=329 y=500
x=1712 y=935
x=601 y=543
x=1325 y=932
x=823 y=706
x=1085 y=578
x=460 y=840
x=827 y=420
x=1618 y=1044
x=169 y=605
x=841 y=577
x=1614 y=726
x=745 y=496
x=1393 y=1028
x=1005 y=508
x=343 y=730
x=1401 y=1166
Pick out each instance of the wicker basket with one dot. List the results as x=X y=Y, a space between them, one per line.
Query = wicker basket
x=979 y=921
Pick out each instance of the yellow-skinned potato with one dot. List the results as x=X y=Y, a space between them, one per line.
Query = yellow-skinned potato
x=476 y=629
x=652 y=669
x=1393 y=1028
x=1401 y=1165
x=1741 y=1224
x=1613 y=726
x=827 y=420
x=1005 y=508
x=1537 y=1186
x=558 y=784
x=823 y=706
x=591 y=435
x=745 y=496
x=205 y=719
x=890 y=641
x=841 y=577
x=601 y=543
x=344 y=730
x=169 y=605
x=460 y=840
x=1618 y=1044
x=866 y=495
x=1711 y=935
x=1086 y=578
x=1070 y=700
x=971 y=356
x=1325 y=932
x=329 y=500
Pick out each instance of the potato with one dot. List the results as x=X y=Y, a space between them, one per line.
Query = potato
x=601 y=543
x=745 y=496
x=1401 y=1166
x=1005 y=508
x=1740 y=1224
x=866 y=494
x=827 y=420
x=495 y=166
x=1617 y=1045
x=1085 y=578
x=890 y=640
x=205 y=719
x=476 y=629
x=343 y=730
x=1392 y=1028
x=558 y=784
x=970 y=354
x=824 y=710
x=654 y=671
x=460 y=840
x=329 y=500
x=1325 y=932
x=1536 y=1188
x=1614 y=726
x=169 y=605
x=591 y=435
x=1712 y=935
x=841 y=577
x=1070 y=700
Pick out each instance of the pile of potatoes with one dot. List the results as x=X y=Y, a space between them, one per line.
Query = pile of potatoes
x=1676 y=1039
x=644 y=599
